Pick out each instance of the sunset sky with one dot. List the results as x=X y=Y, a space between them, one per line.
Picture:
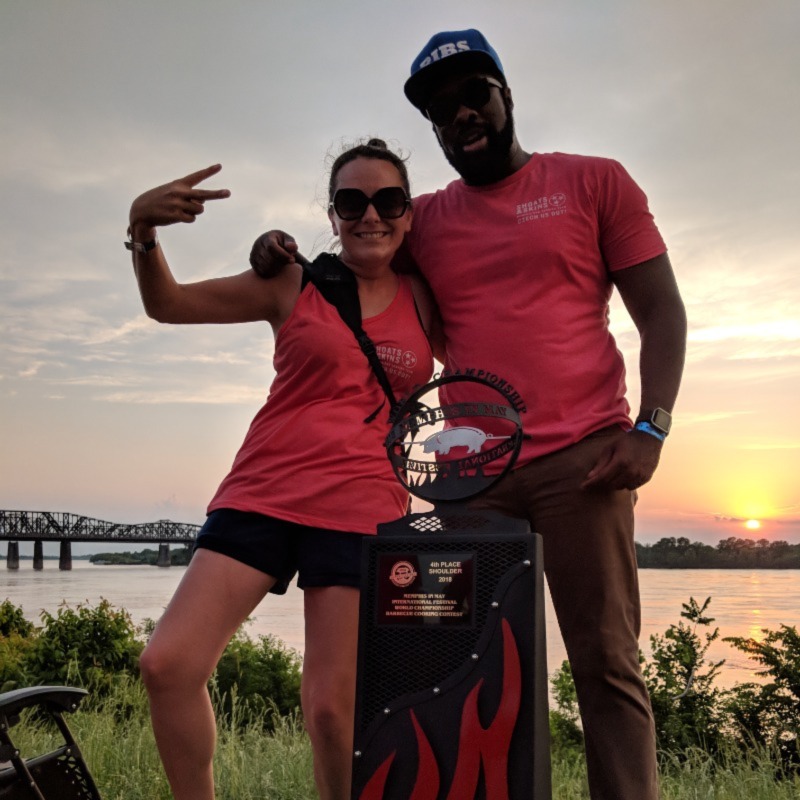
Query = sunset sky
x=106 y=413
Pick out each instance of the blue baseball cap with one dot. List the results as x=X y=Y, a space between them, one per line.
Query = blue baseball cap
x=446 y=54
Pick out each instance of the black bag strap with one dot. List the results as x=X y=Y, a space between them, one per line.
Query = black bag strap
x=337 y=284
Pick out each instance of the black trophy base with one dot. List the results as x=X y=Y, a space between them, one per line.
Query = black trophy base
x=452 y=676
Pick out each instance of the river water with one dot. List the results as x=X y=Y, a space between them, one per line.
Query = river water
x=743 y=602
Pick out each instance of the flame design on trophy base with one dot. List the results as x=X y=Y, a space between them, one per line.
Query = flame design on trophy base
x=479 y=748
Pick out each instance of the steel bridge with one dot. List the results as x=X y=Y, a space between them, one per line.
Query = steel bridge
x=41 y=526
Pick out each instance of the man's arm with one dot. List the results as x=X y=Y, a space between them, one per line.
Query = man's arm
x=651 y=296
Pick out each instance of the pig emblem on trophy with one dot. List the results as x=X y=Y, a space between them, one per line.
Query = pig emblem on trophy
x=463 y=454
x=442 y=442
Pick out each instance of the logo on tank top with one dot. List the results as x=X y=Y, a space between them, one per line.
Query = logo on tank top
x=544 y=208
x=396 y=361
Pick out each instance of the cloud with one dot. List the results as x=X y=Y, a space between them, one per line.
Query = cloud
x=205 y=358
x=101 y=380
x=704 y=417
x=723 y=518
x=31 y=370
x=210 y=395
x=770 y=445
x=132 y=327
x=765 y=330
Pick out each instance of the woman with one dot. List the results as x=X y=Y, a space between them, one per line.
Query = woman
x=311 y=477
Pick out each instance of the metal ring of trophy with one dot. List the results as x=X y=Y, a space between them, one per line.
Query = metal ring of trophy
x=458 y=449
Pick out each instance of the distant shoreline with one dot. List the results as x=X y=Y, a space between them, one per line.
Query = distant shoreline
x=667 y=553
x=179 y=556
x=731 y=553
x=50 y=558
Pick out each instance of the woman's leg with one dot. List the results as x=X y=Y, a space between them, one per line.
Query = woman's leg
x=329 y=685
x=215 y=596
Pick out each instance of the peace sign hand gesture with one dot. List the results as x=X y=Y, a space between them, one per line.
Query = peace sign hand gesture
x=176 y=201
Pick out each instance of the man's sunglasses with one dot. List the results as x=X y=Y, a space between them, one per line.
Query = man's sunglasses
x=390 y=202
x=473 y=93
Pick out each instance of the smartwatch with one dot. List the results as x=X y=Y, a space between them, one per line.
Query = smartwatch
x=658 y=418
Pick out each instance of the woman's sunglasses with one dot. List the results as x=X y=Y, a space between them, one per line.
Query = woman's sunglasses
x=390 y=202
x=473 y=93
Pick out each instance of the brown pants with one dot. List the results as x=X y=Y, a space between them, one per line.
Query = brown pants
x=590 y=564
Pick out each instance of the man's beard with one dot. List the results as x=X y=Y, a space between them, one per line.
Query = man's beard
x=490 y=164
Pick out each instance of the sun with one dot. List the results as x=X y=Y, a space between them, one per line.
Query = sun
x=752 y=524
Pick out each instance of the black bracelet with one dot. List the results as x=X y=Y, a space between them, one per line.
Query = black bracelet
x=141 y=247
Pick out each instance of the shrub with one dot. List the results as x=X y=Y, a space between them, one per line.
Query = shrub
x=14 y=654
x=88 y=646
x=681 y=684
x=259 y=678
x=565 y=731
x=769 y=714
x=15 y=644
x=12 y=620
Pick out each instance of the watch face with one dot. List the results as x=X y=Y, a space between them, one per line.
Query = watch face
x=662 y=420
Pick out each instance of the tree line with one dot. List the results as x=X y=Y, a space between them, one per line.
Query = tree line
x=732 y=553
x=178 y=557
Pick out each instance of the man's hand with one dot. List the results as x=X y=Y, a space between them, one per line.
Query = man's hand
x=176 y=201
x=271 y=252
x=628 y=463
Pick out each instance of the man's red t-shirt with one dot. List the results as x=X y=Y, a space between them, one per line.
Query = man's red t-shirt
x=521 y=272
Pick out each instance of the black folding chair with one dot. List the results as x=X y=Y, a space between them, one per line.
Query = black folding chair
x=61 y=774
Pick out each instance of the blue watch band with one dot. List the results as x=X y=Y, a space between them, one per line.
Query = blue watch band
x=647 y=427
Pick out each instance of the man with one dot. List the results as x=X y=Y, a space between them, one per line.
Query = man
x=522 y=254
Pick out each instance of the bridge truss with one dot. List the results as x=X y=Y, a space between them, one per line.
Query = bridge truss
x=57 y=526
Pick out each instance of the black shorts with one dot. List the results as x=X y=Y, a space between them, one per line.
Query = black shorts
x=319 y=557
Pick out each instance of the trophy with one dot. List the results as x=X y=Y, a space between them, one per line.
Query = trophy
x=451 y=699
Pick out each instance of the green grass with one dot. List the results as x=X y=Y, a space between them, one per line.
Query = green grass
x=115 y=736
x=726 y=776
x=117 y=742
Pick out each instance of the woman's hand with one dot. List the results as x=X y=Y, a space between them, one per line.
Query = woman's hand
x=176 y=201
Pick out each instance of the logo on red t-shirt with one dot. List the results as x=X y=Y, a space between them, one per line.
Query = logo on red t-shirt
x=544 y=208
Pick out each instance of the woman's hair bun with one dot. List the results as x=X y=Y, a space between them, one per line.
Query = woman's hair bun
x=374 y=148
